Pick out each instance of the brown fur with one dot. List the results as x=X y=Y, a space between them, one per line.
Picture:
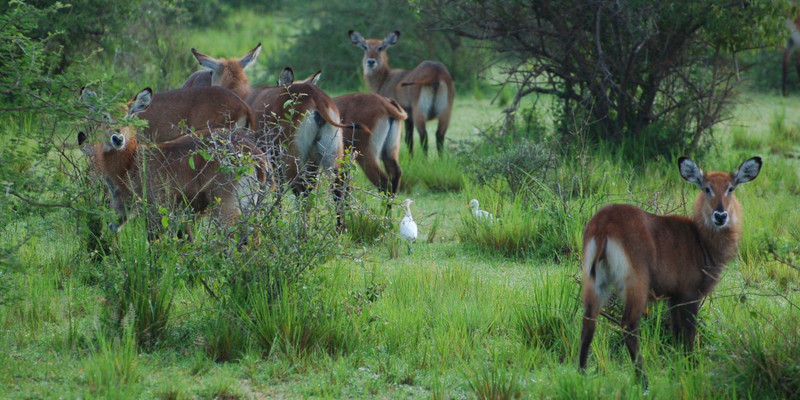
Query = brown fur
x=405 y=86
x=169 y=178
x=197 y=107
x=285 y=107
x=200 y=78
x=366 y=111
x=670 y=257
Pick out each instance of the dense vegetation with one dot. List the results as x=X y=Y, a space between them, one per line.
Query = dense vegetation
x=281 y=305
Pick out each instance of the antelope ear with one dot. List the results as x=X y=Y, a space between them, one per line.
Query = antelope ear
x=391 y=39
x=314 y=79
x=207 y=61
x=357 y=39
x=141 y=102
x=286 y=77
x=250 y=58
x=747 y=171
x=86 y=148
x=690 y=171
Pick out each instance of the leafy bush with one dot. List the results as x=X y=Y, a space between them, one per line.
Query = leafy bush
x=663 y=70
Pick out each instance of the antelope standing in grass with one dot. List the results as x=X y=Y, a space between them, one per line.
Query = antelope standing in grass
x=308 y=118
x=171 y=171
x=425 y=92
x=792 y=45
x=639 y=254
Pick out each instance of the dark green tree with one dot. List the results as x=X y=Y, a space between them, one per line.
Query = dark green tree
x=660 y=72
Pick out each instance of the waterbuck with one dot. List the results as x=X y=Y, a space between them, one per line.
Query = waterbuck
x=639 y=255
x=425 y=92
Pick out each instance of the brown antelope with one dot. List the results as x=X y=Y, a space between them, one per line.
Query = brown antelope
x=308 y=119
x=170 y=171
x=425 y=92
x=639 y=254
x=372 y=128
x=197 y=107
x=792 y=45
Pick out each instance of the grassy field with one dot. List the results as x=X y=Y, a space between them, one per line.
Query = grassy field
x=473 y=312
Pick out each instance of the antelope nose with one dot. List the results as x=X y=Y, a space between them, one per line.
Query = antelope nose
x=116 y=140
x=720 y=218
x=371 y=62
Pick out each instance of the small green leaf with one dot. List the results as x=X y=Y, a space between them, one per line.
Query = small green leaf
x=191 y=162
x=165 y=221
x=204 y=154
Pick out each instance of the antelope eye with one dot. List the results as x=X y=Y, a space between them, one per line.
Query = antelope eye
x=730 y=189
x=380 y=48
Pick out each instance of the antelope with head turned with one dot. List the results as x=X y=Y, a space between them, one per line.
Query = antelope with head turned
x=639 y=255
x=172 y=172
x=175 y=113
x=309 y=121
x=425 y=92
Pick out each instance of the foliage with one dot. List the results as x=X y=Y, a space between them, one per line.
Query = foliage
x=493 y=383
x=762 y=355
x=519 y=161
x=113 y=368
x=439 y=174
x=548 y=322
x=139 y=287
x=662 y=70
x=77 y=27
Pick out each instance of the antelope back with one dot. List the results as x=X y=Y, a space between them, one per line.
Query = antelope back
x=193 y=108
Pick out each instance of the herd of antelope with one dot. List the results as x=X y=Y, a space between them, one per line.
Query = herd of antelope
x=627 y=251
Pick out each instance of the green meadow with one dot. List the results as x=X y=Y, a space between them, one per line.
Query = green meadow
x=476 y=310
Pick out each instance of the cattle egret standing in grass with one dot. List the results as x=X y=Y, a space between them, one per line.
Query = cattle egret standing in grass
x=408 y=228
x=478 y=213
